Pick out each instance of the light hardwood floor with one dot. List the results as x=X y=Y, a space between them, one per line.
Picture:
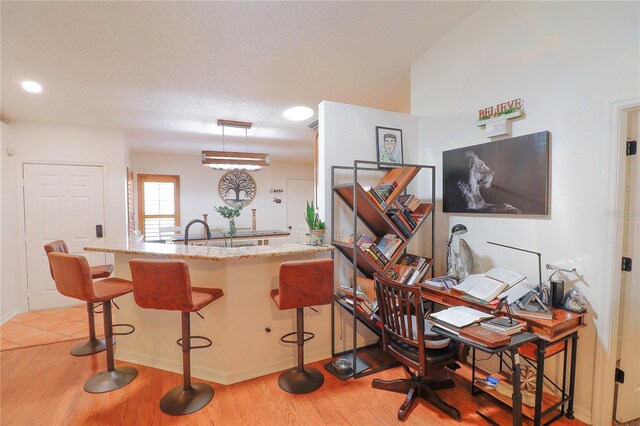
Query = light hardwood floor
x=43 y=386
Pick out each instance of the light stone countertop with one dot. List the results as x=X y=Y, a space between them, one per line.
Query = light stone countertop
x=181 y=251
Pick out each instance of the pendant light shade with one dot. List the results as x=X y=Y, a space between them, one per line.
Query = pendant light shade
x=225 y=160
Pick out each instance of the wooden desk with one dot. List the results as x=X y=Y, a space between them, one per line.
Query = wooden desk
x=554 y=335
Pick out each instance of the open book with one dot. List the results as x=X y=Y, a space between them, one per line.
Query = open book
x=487 y=286
x=458 y=317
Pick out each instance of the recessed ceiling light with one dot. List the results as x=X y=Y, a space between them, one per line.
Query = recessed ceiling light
x=32 y=86
x=298 y=113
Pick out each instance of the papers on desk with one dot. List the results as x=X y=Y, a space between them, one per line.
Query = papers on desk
x=489 y=285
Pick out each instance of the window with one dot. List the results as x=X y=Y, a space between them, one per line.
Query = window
x=158 y=204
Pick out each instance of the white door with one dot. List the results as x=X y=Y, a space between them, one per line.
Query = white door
x=297 y=193
x=60 y=202
x=628 y=405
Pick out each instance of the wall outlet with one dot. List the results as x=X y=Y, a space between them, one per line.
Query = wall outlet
x=340 y=235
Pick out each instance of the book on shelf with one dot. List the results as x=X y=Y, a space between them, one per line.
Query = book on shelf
x=409 y=201
x=388 y=245
x=386 y=189
x=419 y=264
x=374 y=197
x=459 y=316
x=399 y=221
x=488 y=286
x=484 y=336
x=400 y=273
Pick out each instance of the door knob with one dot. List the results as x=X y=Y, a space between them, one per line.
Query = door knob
x=290 y=227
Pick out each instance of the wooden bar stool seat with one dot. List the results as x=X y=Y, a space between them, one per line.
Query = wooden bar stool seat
x=302 y=284
x=93 y=345
x=166 y=285
x=72 y=275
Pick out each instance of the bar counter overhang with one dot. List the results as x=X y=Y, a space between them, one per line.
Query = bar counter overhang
x=236 y=323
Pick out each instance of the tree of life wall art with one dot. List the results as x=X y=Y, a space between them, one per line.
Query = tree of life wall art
x=237 y=188
x=510 y=176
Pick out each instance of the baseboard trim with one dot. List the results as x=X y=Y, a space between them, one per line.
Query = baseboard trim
x=6 y=317
x=212 y=374
x=582 y=414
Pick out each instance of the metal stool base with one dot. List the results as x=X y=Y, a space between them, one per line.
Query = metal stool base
x=90 y=347
x=299 y=382
x=108 y=381
x=179 y=401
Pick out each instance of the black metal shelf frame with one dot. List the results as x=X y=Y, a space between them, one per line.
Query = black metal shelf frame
x=369 y=166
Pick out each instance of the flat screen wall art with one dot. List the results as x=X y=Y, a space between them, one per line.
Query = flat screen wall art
x=510 y=176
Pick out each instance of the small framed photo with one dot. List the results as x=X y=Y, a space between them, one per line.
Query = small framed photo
x=389 y=145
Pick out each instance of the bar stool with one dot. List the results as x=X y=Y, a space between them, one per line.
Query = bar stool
x=93 y=345
x=72 y=275
x=166 y=285
x=302 y=284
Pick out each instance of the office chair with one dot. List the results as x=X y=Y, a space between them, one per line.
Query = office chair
x=408 y=338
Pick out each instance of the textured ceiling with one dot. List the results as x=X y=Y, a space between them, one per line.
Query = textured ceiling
x=164 y=72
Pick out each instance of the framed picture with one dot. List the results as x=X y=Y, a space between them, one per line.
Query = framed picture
x=389 y=142
x=510 y=176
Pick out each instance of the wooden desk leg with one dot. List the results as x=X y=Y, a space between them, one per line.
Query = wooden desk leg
x=542 y=349
x=572 y=377
x=517 y=393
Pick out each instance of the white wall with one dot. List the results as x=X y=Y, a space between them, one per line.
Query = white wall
x=567 y=61
x=55 y=144
x=10 y=287
x=199 y=189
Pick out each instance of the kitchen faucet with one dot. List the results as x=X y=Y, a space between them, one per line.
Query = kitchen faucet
x=186 y=230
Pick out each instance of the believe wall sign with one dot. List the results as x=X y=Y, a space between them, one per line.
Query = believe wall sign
x=496 y=117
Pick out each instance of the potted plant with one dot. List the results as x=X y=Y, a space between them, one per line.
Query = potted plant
x=230 y=214
x=316 y=226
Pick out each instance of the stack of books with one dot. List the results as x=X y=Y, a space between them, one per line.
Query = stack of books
x=370 y=249
x=403 y=219
x=409 y=269
x=363 y=304
x=419 y=265
x=503 y=325
x=409 y=201
x=456 y=318
x=464 y=321
x=381 y=193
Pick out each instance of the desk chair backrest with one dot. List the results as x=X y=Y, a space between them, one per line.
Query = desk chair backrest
x=402 y=318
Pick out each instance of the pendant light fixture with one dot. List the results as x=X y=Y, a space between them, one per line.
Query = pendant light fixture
x=224 y=160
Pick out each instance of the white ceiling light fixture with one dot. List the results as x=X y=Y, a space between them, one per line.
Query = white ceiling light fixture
x=224 y=160
x=31 y=86
x=298 y=113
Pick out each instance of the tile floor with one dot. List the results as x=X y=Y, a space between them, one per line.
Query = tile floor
x=46 y=327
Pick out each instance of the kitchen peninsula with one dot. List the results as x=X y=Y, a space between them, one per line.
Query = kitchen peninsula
x=244 y=324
